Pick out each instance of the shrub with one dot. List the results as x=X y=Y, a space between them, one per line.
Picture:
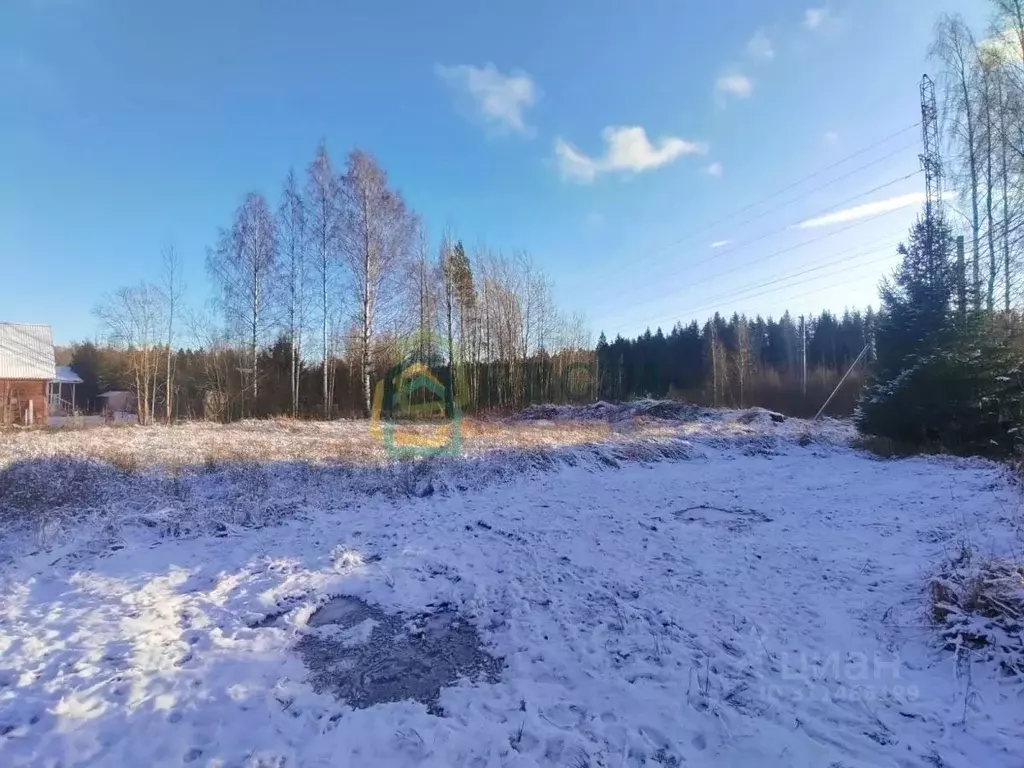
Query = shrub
x=33 y=488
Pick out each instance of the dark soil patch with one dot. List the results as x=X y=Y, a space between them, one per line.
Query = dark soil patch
x=371 y=657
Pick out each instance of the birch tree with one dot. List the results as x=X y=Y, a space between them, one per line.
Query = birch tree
x=133 y=319
x=955 y=48
x=377 y=231
x=294 y=242
x=244 y=265
x=424 y=293
x=172 y=289
x=987 y=111
x=323 y=212
x=447 y=279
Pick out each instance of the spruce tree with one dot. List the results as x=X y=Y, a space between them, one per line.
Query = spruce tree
x=916 y=301
x=939 y=384
x=914 y=321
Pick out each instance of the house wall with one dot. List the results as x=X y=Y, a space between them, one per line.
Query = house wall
x=15 y=395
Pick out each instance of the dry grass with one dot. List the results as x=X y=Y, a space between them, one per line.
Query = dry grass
x=357 y=442
x=353 y=442
x=978 y=605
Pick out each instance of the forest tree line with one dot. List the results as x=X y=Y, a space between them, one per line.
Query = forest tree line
x=790 y=364
x=318 y=293
x=316 y=298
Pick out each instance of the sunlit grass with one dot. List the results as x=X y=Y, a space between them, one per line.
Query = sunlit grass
x=356 y=441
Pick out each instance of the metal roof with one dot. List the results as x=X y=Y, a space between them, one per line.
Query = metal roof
x=66 y=375
x=26 y=352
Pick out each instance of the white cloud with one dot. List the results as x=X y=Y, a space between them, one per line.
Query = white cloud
x=715 y=169
x=627 y=150
x=815 y=17
x=760 y=47
x=500 y=99
x=863 y=211
x=734 y=84
x=831 y=137
x=573 y=163
x=720 y=243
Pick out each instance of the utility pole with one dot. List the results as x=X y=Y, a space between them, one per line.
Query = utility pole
x=803 y=355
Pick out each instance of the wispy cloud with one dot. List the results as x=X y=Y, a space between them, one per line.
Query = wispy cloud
x=863 y=211
x=760 y=48
x=815 y=17
x=716 y=170
x=734 y=84
x=627 y=149
x=499 y=99
x=831 y=137
x=720 y=243
x=732 y=81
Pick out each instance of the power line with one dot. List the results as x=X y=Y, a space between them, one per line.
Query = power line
x=829 y=183
x=831 y=209
x=703 y=230
x=743 y=294
x=836 y=285
x=845 y=259
x=762 y=259
x=788 y=250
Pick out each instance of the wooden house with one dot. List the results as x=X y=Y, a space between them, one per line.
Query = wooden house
x=27 y=366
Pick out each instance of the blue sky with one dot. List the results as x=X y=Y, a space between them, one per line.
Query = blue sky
x=605 y=138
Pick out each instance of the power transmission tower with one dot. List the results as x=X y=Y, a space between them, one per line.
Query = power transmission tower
x=931 y=156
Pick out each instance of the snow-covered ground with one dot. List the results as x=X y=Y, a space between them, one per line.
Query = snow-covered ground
x=724 y=590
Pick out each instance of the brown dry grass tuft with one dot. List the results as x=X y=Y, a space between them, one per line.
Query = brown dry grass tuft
x=980 y=605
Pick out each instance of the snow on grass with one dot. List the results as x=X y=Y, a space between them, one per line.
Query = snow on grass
x=978 y=605
x=195 y=443
x=353 y=442
x=759 y=600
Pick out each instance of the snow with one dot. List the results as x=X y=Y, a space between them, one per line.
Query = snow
x=79 y=421
x=705 y=590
